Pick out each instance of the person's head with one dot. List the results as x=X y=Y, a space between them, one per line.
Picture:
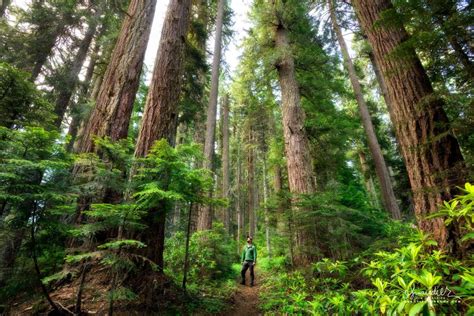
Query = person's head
x=249 y=240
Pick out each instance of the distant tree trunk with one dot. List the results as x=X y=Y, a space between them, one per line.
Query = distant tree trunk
x=251 y=182
x=300 y=167
x=8 y=255
x=84 y=94
x=111 y=115
x=225 y=158
x=238 y=206
x=381 y=82
x=386 y=188
x=265 y=207
x=205 y=214
x=3 y=6
x=368 y=180
x=66 y=89
x=160 y=116
x=432 y=155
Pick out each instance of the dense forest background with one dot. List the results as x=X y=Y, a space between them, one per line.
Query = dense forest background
x=132 y=190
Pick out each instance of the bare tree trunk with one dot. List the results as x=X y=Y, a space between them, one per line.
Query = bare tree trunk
x=368 y=180
x=380 y=80
x=160 y=116
x=300 y=166
x=267 y=215
x=111 y=115
x=432 y=155
x=386 y=188
x=238 y=207
x=83 y=95
x=225 y=159
x=205 y=214
x=67 y=88
x=251 y=182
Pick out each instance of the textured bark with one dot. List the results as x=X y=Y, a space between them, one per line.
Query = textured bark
x=114 y=104
x=432 y=155
x=386 y=188
x=225 y=159
x=205 y=212
x=160 y=116
x=72 y=78
x=300 y=167
x=238 y=207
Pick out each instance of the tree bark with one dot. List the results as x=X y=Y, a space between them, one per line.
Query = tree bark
x=225 y=159
x=267 y=215
x=72 y=78
x=432 y=155
x=114 y=104
x=160 y=116
x=386 y=188
x=297 y=151
x=205 y=214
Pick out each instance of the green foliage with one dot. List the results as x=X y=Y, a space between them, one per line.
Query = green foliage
x=35 y=189
x=211 y=253
x=21 y=103
x=411 y=279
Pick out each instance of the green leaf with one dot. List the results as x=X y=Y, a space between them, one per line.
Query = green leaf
x=416 y=308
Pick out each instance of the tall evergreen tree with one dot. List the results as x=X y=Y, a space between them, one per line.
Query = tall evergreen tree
x=160 y=117
x=111 y=115
x=431 y=152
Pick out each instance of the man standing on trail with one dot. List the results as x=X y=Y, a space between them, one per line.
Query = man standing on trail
x=249 y=260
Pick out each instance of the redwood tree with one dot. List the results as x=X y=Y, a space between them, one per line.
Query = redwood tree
x=432 y=155
x=160 y=116
x=114 y=104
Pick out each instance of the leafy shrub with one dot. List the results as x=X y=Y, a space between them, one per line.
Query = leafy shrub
x=411 y=279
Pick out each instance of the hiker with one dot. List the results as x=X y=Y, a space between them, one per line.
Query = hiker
x=249 y=260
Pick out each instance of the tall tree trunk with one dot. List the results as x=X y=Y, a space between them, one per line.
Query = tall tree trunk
x=368 y=180
x=111 y=115
x=386 y=188
x=251 y=182
x=265 y=207
x=205 y=214
x=432 y=155
x=84 y=93
x=238 y=206
x=72 y=78
x=160 y=116
x=225 y=159
x=381 y=82
x=300 y=166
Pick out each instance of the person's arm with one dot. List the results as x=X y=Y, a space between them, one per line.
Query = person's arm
x=243 y=255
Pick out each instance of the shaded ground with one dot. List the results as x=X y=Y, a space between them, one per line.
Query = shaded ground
x=245 y=301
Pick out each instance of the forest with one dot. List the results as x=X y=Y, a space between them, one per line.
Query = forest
x=332 y=138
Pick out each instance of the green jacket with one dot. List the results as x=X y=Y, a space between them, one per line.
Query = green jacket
x=249 y=253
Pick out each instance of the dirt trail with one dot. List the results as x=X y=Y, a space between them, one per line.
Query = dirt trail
x=245 y=301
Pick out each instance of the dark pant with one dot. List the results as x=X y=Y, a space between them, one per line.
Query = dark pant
x=245 y=266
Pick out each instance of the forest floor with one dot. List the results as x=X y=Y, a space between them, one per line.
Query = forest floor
x=245 y=301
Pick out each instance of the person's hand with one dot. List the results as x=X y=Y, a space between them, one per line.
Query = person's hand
x=255 y=262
